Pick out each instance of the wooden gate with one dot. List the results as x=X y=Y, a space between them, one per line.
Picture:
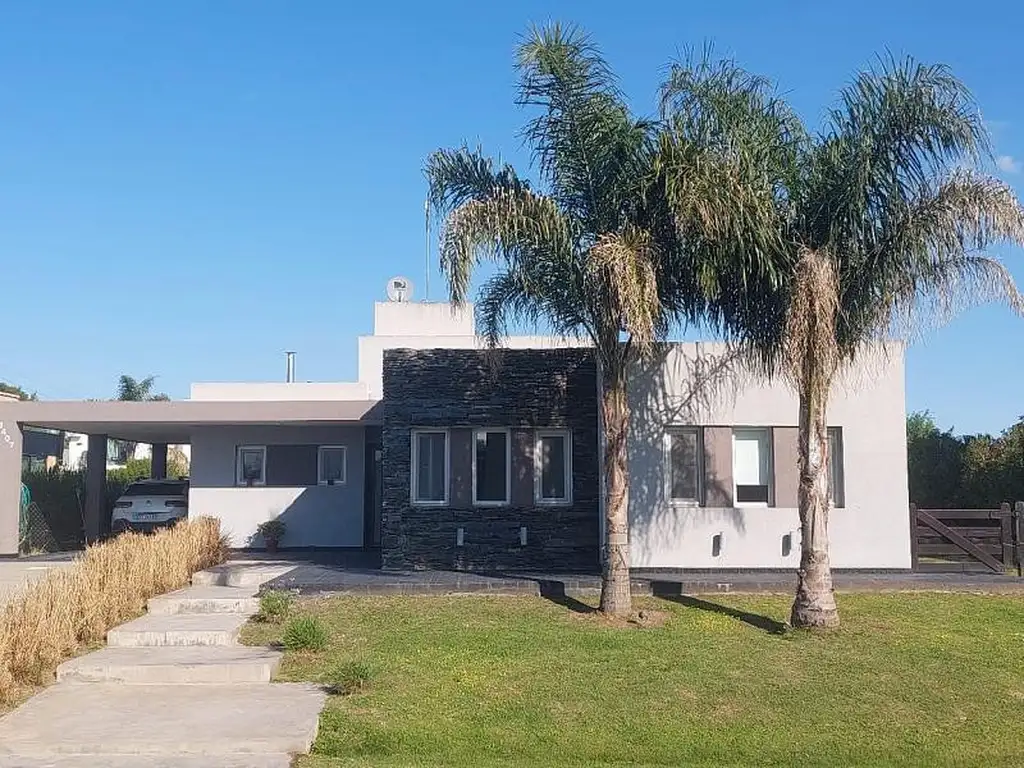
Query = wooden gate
x=966 y=540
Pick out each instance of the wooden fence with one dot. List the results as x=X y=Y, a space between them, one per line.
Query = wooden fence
x=967 y=540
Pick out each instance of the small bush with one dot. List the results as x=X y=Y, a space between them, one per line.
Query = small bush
x=348 y=678
x=305 y=633
x=274 y=605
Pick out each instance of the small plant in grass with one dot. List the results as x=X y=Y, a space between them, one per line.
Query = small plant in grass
x=305 y=633
x=274 y=605
x=347 y=678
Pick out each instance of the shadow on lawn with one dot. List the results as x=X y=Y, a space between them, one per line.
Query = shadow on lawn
x=672 y=593
x=555 y=592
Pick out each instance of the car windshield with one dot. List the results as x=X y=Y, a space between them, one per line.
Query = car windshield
x=156 y=489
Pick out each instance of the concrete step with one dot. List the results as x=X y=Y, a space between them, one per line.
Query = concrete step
x=173 y=665
x=241 y=600
x=179 y=629
x=147 y=761
x=240 y=574
x=219 y=721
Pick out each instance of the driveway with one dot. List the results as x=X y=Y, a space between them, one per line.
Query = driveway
x=15 y=575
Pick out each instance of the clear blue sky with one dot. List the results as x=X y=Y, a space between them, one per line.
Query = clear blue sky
x=189 y=188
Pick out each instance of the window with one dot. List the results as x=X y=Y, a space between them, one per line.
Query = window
x=251 y=465
x=491 y=467
x=552 y=467
x=751 y=466
x=330 y=465
x=683 y=465
x=429 y=467
x=836 y=486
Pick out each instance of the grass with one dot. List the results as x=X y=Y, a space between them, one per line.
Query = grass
x=274 y=605
x=72 y=608
x=909 y=679
x=304 y=633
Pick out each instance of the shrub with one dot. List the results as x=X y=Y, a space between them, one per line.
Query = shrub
x=305 y=633
x=274 y=605
x=271 y=530
x=108 y=585
x=347 y=678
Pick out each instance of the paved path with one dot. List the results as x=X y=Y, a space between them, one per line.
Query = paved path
x=16 y=574
x=172 y=689
x=359 y=574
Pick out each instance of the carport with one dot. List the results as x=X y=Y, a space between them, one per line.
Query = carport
x=158 y=423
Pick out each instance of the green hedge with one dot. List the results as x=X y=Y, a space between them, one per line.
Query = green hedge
x=58 y=501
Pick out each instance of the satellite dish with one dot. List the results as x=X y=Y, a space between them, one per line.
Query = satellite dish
x=399 y=289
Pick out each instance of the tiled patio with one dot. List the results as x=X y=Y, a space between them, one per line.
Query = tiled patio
x=357 y=572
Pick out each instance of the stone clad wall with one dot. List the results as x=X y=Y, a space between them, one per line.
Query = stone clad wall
x=520 y=389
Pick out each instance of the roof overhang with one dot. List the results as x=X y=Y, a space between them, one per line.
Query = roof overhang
x=172 y=421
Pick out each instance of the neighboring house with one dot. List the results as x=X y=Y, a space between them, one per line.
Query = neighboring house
x=445 y=454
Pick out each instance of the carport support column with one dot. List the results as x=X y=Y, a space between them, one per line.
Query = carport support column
x=10 y=484
x=158 y=465
x=97 y=516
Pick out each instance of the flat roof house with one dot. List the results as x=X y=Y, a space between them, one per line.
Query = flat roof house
x=447 y=455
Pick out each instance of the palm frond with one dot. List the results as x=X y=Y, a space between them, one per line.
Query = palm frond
x=621 y=270
x=898 y=127
x=586 y=144
x=930 y=263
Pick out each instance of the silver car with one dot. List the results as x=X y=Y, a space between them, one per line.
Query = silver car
x=149 y=504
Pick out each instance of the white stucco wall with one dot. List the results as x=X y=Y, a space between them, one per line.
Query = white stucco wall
x=320 y=516
x=871 y=531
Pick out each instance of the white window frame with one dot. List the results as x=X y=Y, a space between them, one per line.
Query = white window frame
x=538 y=467
x=413 y=469
x=508 y=467
x=667 y=448
x=769 y=467
x=320 y=479
x=240 y=480
x=834 y=469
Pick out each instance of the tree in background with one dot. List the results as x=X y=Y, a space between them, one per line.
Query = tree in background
x=596 y=254
x=935 y=463
x=134 y=390
x=876 y=225
x=946 y=471
x=13 y=389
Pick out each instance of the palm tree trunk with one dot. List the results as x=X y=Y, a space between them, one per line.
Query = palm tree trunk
x=615 y=591
x=815 y=604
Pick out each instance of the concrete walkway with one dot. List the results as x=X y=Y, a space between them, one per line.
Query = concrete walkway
x=16 y=574
x=172 y=689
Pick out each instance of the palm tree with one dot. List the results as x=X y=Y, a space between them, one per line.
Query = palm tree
x=135 y=390
x=861 y=233
x=130 y=388
x=585 y=256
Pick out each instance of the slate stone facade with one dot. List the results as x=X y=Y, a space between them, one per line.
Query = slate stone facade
x=459 y=390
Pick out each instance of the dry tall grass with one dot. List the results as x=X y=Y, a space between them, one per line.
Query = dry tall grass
x=107 y=586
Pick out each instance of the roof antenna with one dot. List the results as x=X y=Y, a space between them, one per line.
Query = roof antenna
x=426 y=253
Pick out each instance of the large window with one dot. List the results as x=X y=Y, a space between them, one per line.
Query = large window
x=491 y=467
x=330 y=465
x=429 y=467
x=752 y=466
x=552 y=467
x=836 y=480
x=251 y=465
x=683 y=465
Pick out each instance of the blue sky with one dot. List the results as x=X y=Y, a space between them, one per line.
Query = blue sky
x=190 y=188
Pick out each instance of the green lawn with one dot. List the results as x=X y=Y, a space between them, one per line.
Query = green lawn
x=910 y=679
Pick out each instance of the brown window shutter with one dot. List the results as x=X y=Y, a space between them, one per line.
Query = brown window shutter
x=718 y=466
x=787 y=472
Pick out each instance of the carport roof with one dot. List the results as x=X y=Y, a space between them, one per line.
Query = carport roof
x=172 y=421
